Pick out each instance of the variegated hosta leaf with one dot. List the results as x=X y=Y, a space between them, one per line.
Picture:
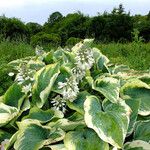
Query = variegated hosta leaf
x=109 y=87
x=85 y=139
x=78 y=103
x=100 y=60
x=138 y=90
x=134 y=105
x=13 y=96
x=7 y=113
x=36 y=65
x=66 y=124
x=65 y=72
x=11 y=141
x=137 y=145
x=111 y=125
x=58 y=147
x=142 y=131
x=76 y=117
x=43 y=116
x=44 y=82
x=145 y=78
x=33 y=136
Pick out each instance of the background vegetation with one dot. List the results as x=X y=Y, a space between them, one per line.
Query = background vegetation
x=116 y=26
x=120 y=36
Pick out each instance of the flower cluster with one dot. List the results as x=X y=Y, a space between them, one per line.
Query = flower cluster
x=84 y=59
x=59 y=103
x=78 y=73
x=25 y=78
x=39 y=52
x=69 y=88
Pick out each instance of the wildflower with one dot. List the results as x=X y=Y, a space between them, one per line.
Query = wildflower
x=78 y=73
x=25 y=74
x=59 y=103
x=69 y=88
x=84 y=59
x=39 y=51
x=11 y=74
x=27 y=88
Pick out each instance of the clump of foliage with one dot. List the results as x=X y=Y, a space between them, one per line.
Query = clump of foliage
x=42 y=38
x=72 y=41
x=75 y=100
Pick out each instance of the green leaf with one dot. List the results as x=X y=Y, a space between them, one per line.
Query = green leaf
x=134 y=105
x=66 y=124
x=36 y=65
x=109 y=87
x=11 y=141
x=13 y=96
x=43 y=116
x=7 y=113
x=138 y=90
x=4 y=135
x=76 y=117
x=44 y=82
x=111 y=124
x=65 y=72
x=101 y=60
x=33 y=136
x=142 y=131
x=137 y=145
x=78 y=103
x=85 y=139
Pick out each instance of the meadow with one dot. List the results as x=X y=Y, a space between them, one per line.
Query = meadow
x=135 y=55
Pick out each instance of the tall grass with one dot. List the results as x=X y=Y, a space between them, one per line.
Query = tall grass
x=10 y=51
x=135 y=55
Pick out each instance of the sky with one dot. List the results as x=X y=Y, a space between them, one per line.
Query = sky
x=39 y=10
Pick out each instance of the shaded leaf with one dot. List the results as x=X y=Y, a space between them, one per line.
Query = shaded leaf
x=138 y=90
x=43 y=116
x=142 y=131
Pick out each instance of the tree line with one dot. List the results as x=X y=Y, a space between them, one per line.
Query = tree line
x=117 y=26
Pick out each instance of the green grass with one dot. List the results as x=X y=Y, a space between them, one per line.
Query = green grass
x=10 y=51
x=136 y=56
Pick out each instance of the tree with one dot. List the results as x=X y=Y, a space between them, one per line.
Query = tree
x=34 y=28
x=13 y=28
x=54 y=17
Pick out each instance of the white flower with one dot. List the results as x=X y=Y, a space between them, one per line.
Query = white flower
x=27 y=88
x=69 y=88
x=59 y=103
x=39 y=50
x=84 y=59
x=11 y=74
x=61 y=85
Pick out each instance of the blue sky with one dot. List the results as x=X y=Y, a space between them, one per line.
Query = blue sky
x=39 y=10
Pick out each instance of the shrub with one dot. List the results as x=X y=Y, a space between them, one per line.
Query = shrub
x=72 y=41
x=45 y=39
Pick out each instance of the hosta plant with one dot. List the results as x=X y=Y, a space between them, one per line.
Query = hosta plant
x=75 y=99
